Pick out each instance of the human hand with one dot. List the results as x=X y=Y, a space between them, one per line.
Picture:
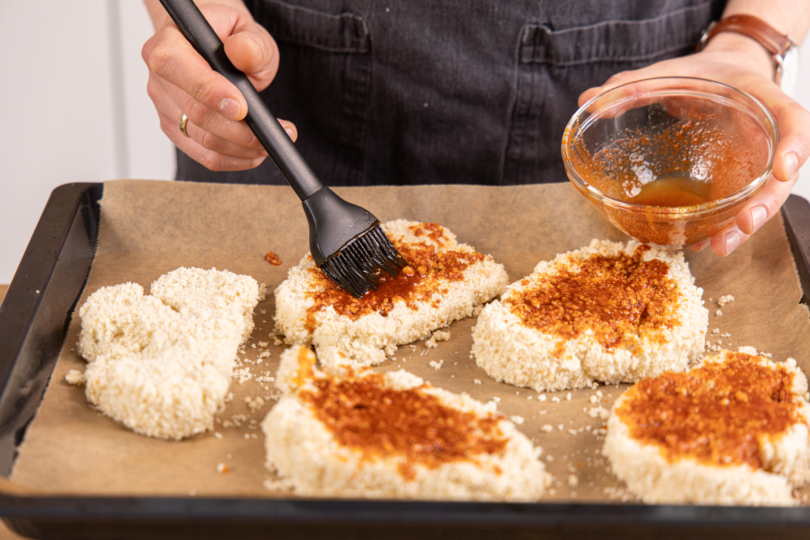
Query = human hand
x=182 y=82
x=742 y=63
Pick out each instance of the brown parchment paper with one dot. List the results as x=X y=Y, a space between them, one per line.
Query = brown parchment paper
x=149 y=228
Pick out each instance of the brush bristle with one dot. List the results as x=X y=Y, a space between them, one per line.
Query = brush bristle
x=356 y=266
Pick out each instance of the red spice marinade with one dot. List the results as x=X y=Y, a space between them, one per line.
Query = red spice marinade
x=425 y=279
x=620 y=298
x=713 y=413
x=364 y=415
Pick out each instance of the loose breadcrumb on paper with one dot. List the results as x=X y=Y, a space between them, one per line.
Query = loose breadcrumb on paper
x=547 y=428
x=599 y=412
x=254 y=404
x=436 y=365
x=516 y=419
x=723 y=300
x=542 y=398
x=476 y=381
x=573 y=481
x=555 y=399
x=243 y=375
x=74 y=377
x=222 y=468
x=568 y=396
x=438 y=335
x=217 y=434
x=719 y=312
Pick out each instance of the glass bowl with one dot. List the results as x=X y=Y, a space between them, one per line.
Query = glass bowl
x=671 y=160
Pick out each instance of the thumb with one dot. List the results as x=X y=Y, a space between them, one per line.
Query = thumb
x=253 y=51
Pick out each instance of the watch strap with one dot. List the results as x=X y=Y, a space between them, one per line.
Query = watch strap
x=755 y=28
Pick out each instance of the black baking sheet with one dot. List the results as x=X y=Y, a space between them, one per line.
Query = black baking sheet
x=35 y=315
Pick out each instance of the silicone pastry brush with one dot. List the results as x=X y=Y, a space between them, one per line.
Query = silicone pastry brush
x=345 y=240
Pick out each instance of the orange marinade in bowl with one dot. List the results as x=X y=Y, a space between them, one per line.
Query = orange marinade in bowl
x=670 y=161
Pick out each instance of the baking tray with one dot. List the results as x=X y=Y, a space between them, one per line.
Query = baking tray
x=35 y=317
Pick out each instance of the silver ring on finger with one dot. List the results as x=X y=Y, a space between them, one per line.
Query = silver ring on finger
x=182 y=125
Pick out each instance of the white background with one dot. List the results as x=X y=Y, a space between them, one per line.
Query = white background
x=75 y=109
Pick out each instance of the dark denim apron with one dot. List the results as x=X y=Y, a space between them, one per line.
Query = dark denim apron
x=405 y=92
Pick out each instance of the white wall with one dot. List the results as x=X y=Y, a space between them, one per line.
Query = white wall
x=64 y=118
x=75 y=107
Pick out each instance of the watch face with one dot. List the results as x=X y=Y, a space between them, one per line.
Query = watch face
x=789 y=72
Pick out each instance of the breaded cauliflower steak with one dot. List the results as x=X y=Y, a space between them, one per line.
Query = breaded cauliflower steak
x=732 y=430
x=608 y=312
x=365 y=434
x=162 y=364
x=445 y=282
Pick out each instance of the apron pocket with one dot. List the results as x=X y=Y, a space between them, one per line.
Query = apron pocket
x=322 y=85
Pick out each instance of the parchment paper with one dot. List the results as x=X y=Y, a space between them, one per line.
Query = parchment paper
x=149 y=228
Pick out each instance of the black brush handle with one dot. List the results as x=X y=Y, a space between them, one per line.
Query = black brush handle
x=264 y=124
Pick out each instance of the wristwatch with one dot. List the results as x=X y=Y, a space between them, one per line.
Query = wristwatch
x=785 y=53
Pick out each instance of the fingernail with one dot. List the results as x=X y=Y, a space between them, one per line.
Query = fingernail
x=229 y=107
x=758 y=216
x=731 y=241
x=290 y=132
x=791 y=164
x=701 y=246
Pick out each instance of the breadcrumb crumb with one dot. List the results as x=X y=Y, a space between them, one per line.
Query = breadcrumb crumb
x=254 y=404
x=75 y=377
x=599 y=412
x=436 y=365
x=723 y=300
